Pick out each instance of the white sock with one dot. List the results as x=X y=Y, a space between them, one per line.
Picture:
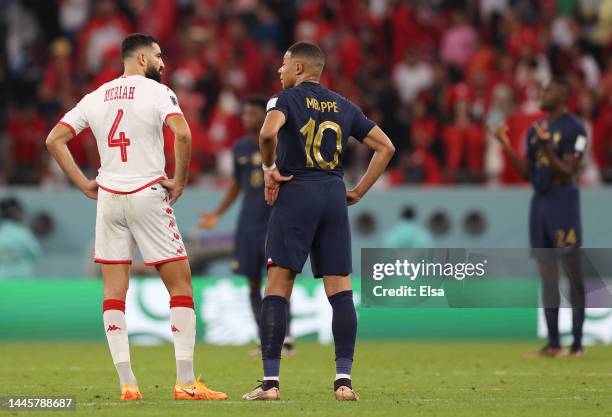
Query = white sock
x=340 y=376
x=117 y=337
x=183 y=322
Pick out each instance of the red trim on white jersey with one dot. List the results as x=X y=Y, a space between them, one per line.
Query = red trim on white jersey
x=74 y=133
x=171 y=114
x=163 y=261
x=106 y=261
x=155 y=181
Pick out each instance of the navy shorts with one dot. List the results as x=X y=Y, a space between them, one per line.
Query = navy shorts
x=310 y=217
x=249 y=255
x=554 y=219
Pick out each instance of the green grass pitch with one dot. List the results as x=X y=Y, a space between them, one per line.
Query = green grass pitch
x=392 y=378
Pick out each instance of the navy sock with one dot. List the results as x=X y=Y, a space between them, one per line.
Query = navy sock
x=255 y=299
x=273 y=323
x=552 y=323
x=344 y=329
x=577 y=323
x=288 y=331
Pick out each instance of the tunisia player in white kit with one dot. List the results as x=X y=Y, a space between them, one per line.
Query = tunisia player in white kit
x=134 y=197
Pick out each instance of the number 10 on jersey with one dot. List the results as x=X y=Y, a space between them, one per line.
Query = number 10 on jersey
x=121 y=142
x=314 y=141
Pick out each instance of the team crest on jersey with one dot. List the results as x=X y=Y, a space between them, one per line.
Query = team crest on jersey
x=256 y=159
x=556 y=137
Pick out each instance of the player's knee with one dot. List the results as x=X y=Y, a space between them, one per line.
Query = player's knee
x=335 y=284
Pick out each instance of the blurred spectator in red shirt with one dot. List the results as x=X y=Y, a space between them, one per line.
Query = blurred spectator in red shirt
x=421 y=164
x=518 y=123
x=112 y=68
x=58 y=86
x=602 y=139
x=586 y=108
x=157 y=17
x=191 y=102
x=224 y=125
x=464 y=146
x=105 y=30
x=25 y=156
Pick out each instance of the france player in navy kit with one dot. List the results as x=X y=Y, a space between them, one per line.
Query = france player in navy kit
x=302 y=143
x=555 y=147
x=249 y=258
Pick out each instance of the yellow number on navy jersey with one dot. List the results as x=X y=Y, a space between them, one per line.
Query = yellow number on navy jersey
x=565 y=240
x=314 y=141
x=256 y=178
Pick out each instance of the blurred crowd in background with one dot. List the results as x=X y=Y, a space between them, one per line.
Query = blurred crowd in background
x=432 y=73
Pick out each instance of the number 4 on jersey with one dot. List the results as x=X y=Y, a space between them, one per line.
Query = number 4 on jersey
x=122 y=142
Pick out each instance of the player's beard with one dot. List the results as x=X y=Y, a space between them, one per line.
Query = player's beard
x=153 y=74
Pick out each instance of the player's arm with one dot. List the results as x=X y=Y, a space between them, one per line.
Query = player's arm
x=268 y=136
x=383 y=149
x=182 y=155
x=500 y=133
x=564 y=168
x=210 y=220
x=57 y=144
x=268 y=139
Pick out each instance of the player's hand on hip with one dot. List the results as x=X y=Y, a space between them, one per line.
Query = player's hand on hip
x=90 y=189
x=208 y=220
x=175 y=190
x=272 y=181
x=352 y=197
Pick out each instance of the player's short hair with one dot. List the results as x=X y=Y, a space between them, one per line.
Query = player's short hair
x=257 y=101
x=134 y=41
x=563 y=83
x=309 y=51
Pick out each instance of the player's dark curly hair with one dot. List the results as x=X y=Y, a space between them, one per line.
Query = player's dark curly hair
x=135 y=41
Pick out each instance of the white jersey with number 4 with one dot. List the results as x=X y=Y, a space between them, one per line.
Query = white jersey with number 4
x=126 y=116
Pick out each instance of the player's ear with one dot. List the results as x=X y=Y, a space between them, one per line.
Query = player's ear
x=142 y=59
x=299 y=68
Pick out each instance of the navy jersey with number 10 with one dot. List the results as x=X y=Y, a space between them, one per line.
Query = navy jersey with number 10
x=319 y=122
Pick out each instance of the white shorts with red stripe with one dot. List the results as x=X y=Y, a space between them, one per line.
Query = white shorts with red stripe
x=142 y=218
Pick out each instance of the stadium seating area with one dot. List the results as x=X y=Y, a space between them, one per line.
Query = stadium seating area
x=432 y=73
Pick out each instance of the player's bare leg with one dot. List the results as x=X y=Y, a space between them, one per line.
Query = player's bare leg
x=176 y=276
x=339 y=292
x=273 y=328
x=115 y=278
